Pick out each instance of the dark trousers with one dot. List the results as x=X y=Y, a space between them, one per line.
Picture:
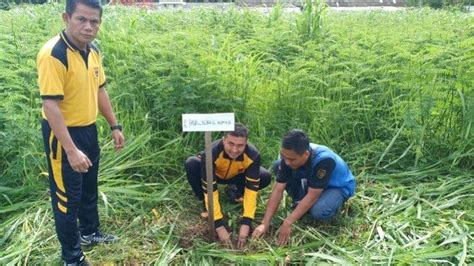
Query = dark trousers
x=73 y=194
x=193 y=173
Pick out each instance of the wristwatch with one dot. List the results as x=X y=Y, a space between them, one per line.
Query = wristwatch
x=118 y=126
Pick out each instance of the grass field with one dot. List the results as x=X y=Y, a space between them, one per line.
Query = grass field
x=392 y=93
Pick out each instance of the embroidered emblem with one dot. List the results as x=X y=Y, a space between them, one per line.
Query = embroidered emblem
x=96 y=72
x=321 y=173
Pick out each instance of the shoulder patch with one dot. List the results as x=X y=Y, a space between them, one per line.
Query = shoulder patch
x=321 y=173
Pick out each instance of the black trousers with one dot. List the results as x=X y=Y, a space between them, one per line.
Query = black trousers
x=73 y=194
x=193 y=173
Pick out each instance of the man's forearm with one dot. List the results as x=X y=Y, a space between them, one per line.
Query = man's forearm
x=305 y=204
x=57 y=124
x=272 y=206
x=105 y=107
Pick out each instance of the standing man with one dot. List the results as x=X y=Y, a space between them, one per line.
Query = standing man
x=71 y=82
x=236 y=162
x=315 y=177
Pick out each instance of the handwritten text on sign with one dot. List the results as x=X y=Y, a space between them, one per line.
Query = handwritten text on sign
x=208 y=122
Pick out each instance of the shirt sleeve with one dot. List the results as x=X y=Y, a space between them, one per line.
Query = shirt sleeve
x=252 y=183
x=322 y=173
x=283 y=172
x=51 y=77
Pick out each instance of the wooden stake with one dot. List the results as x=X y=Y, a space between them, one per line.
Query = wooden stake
x=209 y=178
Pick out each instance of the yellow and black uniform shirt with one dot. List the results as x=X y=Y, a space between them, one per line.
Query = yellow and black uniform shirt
x=72 y=76
x=225 y=168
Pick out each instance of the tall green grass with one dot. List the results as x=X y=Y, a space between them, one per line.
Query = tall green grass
x=391 y=92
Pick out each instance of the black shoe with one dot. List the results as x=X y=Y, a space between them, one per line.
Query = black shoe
x=82 y=262
x=235 y=196
x=97 y=238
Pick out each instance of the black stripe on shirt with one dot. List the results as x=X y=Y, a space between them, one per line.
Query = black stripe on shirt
x=52 y=97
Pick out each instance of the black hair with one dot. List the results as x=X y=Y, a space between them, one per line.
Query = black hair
x=72 y=4
x=239 y=131
x=296 y=140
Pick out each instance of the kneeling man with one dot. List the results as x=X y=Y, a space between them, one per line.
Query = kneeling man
x=236 y=163
x=315 y=177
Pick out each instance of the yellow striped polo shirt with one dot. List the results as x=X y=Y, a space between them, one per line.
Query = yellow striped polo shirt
x=72 y=76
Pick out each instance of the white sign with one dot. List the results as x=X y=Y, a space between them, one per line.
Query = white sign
x=208 y=122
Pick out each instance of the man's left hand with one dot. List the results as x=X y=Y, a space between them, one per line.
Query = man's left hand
x=243 y=234
x=119 y=139
x=284 y=234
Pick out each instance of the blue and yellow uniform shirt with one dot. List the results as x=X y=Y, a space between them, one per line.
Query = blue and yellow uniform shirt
x=72 y=76
x=324 y=169
x=225 y=168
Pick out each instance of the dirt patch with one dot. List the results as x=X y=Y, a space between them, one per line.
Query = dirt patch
x=196 y=231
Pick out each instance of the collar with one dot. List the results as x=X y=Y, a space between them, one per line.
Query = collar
x=69 y=43
x=310 y=157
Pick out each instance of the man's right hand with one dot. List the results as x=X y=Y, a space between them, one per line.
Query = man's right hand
x=79 y=161
x=259 y=231
x=224 y=236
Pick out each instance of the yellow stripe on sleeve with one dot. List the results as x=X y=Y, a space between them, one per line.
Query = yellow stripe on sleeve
x=217 y=206
x=250 y=203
